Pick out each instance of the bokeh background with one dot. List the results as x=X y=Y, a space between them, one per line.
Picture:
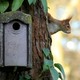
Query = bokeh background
x=66 y=47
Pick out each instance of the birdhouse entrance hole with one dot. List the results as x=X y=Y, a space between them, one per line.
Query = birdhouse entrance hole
x=16 y=26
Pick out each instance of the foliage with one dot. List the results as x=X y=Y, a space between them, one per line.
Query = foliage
x=24 y=77
x=44 y=2
x=3 y=6
x=16 y=4
x=50 y=65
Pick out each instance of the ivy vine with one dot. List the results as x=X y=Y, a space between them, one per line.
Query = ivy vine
x=51 y=66
x=16 y=4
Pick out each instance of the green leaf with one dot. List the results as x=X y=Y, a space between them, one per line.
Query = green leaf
x=44 y=3
x=47 y=64
x=16 y=4
x=27 y=77
x=46 y=51
x=3 y=6
x=34 y=1
x=54 y=73
x=59 y=66
x=60 y=76
x=15 y=69
x=21 y=78
x=30 y=2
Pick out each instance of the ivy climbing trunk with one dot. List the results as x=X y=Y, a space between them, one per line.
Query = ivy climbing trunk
x=40 y=40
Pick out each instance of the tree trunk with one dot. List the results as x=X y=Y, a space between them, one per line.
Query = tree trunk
x=40 y=40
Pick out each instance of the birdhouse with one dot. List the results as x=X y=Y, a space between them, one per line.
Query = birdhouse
x=15 y=39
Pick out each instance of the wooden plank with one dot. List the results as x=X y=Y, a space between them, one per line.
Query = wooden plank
x=15 y=44
x=1 y=44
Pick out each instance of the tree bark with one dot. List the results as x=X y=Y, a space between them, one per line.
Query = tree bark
x=40 y=40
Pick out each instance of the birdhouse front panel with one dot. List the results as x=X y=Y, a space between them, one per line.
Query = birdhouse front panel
x=15 y=39
x=15 y=44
